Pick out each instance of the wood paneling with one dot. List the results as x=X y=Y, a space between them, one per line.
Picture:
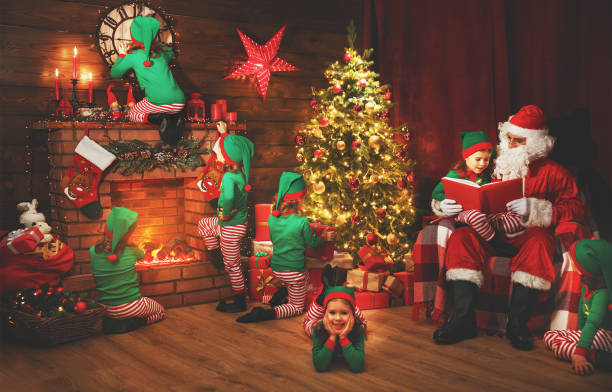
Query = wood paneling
x=37 y=36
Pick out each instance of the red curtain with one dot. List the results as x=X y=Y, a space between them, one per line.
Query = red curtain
x=467 y=65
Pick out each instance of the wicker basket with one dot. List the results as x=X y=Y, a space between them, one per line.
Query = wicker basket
x=51 y=331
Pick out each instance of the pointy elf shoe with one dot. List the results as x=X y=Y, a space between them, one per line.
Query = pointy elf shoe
x=239 y=305
x=256 y=315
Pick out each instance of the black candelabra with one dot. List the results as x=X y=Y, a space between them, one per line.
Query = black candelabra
x=74 y=101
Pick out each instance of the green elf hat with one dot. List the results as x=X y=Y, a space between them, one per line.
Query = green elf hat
x=474 y=141
x=343 y=292
x=120 y=222
x=237 y=149
x=291 y=186
x=593 y=258
x=144 y=31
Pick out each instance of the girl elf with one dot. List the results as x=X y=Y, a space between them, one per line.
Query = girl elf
x=222 y=233
x=113 y=268
x=340 y=333
x=291 y=235
x=591 y=344
x=149 y=59
x=476 y=154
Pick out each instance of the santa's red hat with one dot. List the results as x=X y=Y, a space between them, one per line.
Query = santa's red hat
x=529 y=121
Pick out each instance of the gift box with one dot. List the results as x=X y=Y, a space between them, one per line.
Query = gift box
x=374 y=260
x=261 y=282
x=362 y=279
x=341 y=260
x=314 y=279
x=407 y=278
x=409 y=262
x=20 y=241
x=262 y=247
x=393 y=286
x=324 y=252
x=368 y=300
x=260 y=260
x=262 y=231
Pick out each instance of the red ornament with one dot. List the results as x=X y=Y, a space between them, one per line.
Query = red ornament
x=410 y=177
x=317 y=153
x=262 y=61
x=357 y=108
x=356 y=144
x=39 y=314
x=59 y=289
x=348 y=57
x=354 y=183
x=38 y=292
x=388 y=95
x=313 y=103
x=337 y=88
x=371 y=239
x=362 y=83
x=323 y=121
x=385 y=114
x=401 y=184
x=381 y=213
x=300 y=140
x=80 y=307
x=355 y=219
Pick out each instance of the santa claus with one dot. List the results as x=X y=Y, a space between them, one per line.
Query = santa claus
x=550 y=198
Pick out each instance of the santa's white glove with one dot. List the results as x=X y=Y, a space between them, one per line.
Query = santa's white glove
x=519 y=206
x=449 y=207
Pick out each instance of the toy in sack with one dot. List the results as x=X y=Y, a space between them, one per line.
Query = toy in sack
x=324 y=252
x=19 y=241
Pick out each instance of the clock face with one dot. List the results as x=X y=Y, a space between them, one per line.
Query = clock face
x=114 y=28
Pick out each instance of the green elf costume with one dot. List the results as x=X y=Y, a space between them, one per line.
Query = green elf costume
x=290 y=234
x=223 y=233
x=164 y=99
x=326 y=347
x=592 y=341
x=116 y=279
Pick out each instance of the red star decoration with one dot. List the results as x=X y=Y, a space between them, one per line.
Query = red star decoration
x=262 y=61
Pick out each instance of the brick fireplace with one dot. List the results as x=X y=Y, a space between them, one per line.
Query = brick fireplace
x=168 y=203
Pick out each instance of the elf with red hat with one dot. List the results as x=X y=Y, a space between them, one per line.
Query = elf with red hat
x=113 y=263
x=591 y=345
x=223 y=233
x=290 y=234
x=551 y=198
x=149 y=58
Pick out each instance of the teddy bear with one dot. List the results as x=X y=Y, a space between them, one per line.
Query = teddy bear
x=30 y=217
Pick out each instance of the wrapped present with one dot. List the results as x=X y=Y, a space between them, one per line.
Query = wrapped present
x=324 y=252
x=314 y=279
x=260 y=260
x=407 y=278
x=375 y=259
x=262 y=246
x=20 y=241
x=368 y=300
x=261 y=282
x=363 y=279
x=409 y=262
x=393 y=286
x=341 y=260
x=262 y=231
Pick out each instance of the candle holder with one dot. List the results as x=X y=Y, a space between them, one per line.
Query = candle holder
x=74 y=100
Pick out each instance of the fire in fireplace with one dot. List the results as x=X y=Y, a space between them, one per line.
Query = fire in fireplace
x=175 y=251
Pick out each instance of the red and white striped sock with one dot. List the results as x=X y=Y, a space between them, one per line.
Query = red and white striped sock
x=506 y=222
x=144 y=307
x=479 y=222
x=140 y=111
x=563 y=342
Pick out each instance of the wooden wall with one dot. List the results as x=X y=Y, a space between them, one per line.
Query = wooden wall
x=37 y=36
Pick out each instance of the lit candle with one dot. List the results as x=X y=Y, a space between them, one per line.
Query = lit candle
x=57 y=97
x=74 y=64
x=90 y=89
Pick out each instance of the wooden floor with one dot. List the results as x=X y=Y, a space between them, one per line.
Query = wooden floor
x=199 y=349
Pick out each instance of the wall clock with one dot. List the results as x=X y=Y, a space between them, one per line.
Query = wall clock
x=114 y=27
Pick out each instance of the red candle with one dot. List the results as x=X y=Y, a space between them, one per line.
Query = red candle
x=231 y=117
x=215 y=112
x=57 y=97
x=90 y=89
x=222 y=103
x=74 y=64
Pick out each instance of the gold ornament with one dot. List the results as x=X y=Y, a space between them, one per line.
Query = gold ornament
x=340 y=220
x=319 y=187
x=318 y=133
x=341 y=145
x=374 y=141
x=369 y=106
x=374 y=178
x=392 y=239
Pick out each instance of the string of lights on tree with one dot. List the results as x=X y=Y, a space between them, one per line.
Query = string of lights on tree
x=360 y=176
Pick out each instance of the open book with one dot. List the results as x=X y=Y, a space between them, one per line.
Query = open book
x=489 y=198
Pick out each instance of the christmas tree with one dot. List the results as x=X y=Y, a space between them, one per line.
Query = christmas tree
x=355 y=163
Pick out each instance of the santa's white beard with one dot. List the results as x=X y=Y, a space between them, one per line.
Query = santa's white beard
x=514 y=162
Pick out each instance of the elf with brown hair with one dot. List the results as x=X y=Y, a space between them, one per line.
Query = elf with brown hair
x=113 y=262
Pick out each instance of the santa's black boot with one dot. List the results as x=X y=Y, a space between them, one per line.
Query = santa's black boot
x=463 y=323
x=257 y=314
x=519 y=314
x=239 y=304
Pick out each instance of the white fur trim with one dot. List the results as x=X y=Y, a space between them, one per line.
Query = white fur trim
x=435 y=207
x=94 y=153
x=469 y=275
x=540 y=213
x=519 y=131
x=531 y=281
x=217 y=150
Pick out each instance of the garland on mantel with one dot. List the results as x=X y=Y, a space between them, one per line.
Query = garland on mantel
x=136 y=156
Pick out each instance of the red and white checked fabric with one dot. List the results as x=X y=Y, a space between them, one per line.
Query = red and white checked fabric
x=296 y=286
x=315 y=314
x=230 y=238
x=479 y=222
x=143 y=307
x=563 y=342
x=506 y=222
x=430 y=277
x=140 y=111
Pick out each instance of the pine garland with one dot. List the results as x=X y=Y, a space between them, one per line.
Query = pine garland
x=136 y=156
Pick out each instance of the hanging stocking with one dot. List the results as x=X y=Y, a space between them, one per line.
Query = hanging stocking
x=209 y=180
x=80 y=183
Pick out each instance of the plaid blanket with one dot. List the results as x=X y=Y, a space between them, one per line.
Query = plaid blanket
x=555 y=309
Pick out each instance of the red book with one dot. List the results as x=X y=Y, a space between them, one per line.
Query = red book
x=489 y=198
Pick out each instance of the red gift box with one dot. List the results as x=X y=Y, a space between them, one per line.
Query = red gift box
x=407 y=278
x=261 y=281
x=20 y=241
x=374 y=260
x=369 y=300
x=262 y=231
x=259 y=261
x=324 y=252
x=314 y=279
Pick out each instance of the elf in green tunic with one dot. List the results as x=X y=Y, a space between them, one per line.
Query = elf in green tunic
x=340 y=333
x=149 y=58
x=113 y=263
x=291 y=235
x=591 y=345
